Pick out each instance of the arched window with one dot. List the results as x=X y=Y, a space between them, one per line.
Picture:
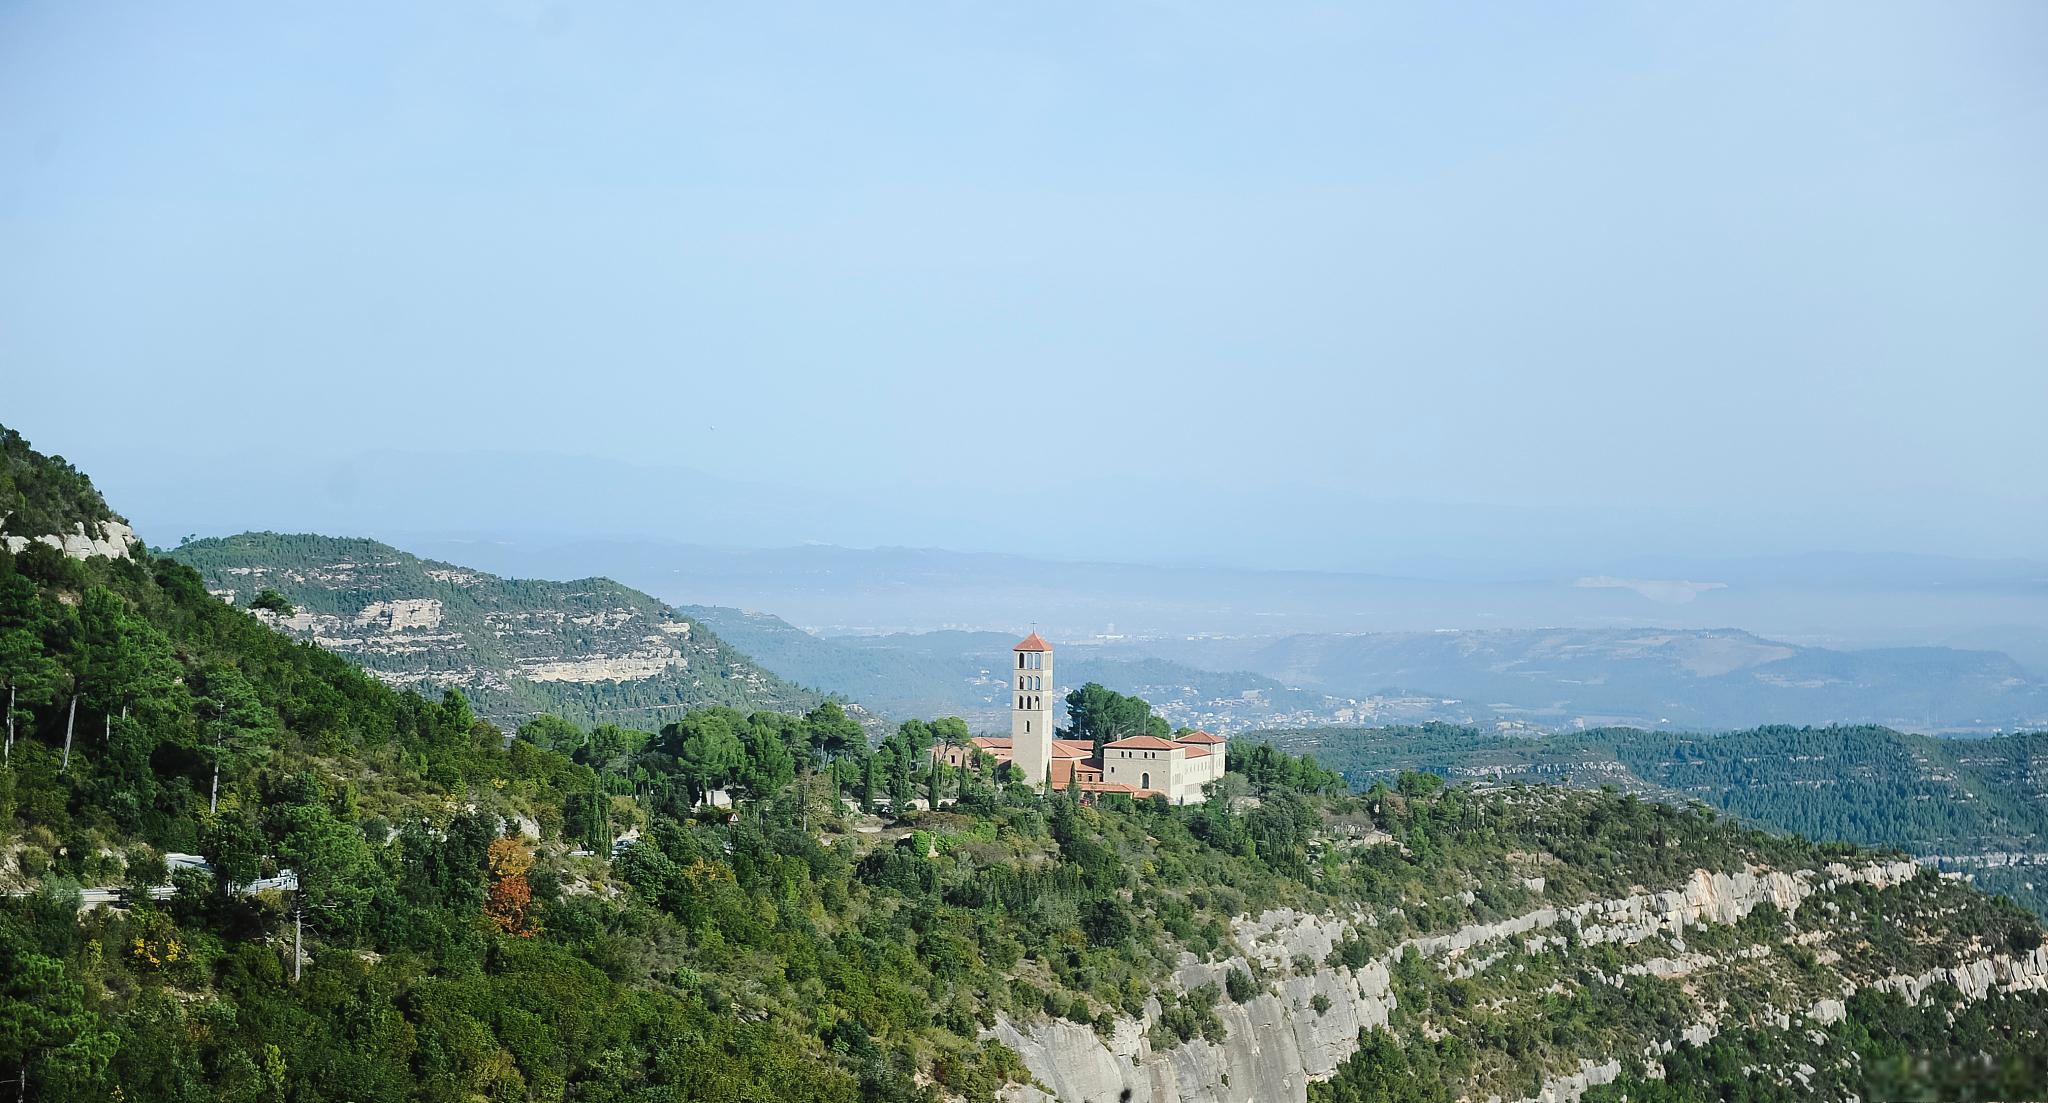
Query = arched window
x=1020 y=660
x=1145 y=781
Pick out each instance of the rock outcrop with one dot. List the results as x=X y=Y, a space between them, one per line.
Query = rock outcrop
x=1277 y=1043
x=112 y=539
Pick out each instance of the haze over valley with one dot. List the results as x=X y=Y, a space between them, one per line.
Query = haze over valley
x=1052 y=553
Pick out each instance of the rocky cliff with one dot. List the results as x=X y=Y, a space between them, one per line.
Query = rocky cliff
x=113 y=539
x=591 y=650
x=1300 y=1028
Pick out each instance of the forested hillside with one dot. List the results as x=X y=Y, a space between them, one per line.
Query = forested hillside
x=591 y=649
x=240 y=869
x=1977 y=806
x=43 y=494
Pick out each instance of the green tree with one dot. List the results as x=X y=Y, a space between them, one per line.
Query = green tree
x=553 y=733
x=271 y=600
x=1101 y=715
x=46 y=1033
x=769 y=765
x=32 y=677
x=233 y=845
x=832 y=732
x=239 y=728
x=708 y=755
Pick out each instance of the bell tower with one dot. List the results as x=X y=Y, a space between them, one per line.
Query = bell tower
x=1031 y=696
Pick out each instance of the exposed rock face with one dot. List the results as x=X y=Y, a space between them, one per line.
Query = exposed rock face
x=592 y=649
x=1277 y=1043
x=1976 y=979
x=113 y=539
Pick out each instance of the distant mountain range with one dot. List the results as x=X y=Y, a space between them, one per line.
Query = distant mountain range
x=1678 y=678
x=590 y=650
x=960 y=674
x=1847 y=601
x=1532 y=680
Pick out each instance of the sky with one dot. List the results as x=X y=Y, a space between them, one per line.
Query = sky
x=1277 y=285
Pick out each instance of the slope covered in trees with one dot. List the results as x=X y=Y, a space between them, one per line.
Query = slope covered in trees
x=590 y=649
x=41 y=495
x=393 y=902
x=1978 y=806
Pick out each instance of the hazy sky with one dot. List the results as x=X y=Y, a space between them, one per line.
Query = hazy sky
x=1261 y=282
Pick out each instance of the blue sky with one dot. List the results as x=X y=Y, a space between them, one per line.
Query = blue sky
x=1277 y=284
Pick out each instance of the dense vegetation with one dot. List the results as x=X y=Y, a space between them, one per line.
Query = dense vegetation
x=1955 y=800
x=397 y=902
x=42 y=494
x=490 y=636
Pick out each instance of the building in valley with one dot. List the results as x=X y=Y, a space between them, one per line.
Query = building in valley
x=1138 y=766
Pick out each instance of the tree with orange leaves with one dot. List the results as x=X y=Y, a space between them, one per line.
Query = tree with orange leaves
x=508 y=860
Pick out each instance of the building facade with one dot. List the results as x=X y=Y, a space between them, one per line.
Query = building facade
x=1031 y=712
x=1141 y=766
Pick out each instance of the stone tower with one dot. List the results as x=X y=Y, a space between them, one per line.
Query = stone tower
x=1031 y=695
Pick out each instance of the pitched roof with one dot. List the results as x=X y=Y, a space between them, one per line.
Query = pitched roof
x=1199 y=737
x=1073 y=748
x=992 y=742
x=1198 y=751
x=1143 y=743
x=1032 y=642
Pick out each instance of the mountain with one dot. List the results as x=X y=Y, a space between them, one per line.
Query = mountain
x=1535 y=680
x=956 y=673
x=1845 y=601
x=239 y=868
x=1696 y=679
x=1975 y=806
x=590 y=649
x=46 y=500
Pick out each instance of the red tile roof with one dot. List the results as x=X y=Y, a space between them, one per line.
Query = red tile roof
x=992 y=742
x=1199 y=737
x=1032 y=642
x=1073 y=748
x=1198 y=752
x=1143 y=743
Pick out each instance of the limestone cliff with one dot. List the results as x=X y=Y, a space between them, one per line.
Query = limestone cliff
x=113 y=539
x=1278 y=1041
x=591 y=650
